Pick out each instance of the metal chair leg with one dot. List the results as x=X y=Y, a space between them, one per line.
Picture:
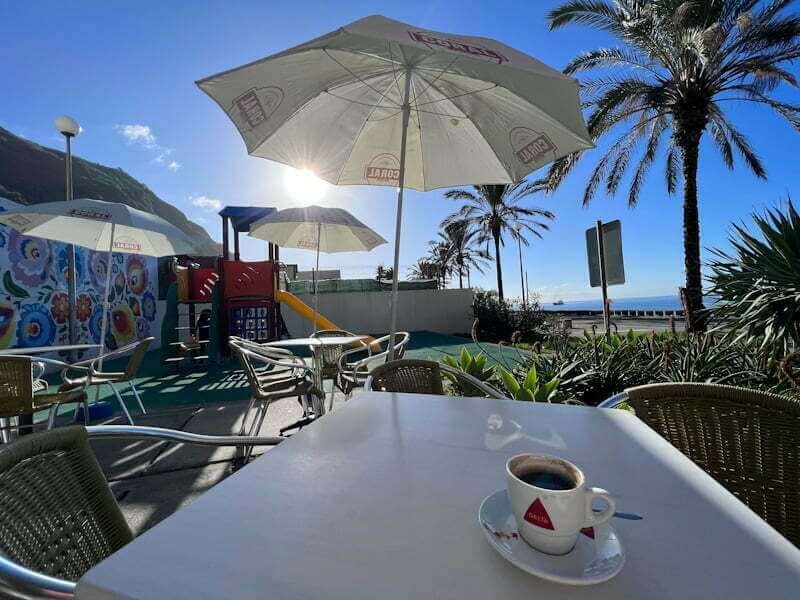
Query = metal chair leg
x=138 y=399
x=256 y=428
x=121 y=403
x=51 y=418
x=243 y=428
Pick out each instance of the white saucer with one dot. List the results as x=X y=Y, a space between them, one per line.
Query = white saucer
x=591 y=561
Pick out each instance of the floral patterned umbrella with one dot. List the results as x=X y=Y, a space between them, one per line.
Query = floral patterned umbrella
x=101 y=226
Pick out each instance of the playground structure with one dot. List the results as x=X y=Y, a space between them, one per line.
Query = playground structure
x=214 y=298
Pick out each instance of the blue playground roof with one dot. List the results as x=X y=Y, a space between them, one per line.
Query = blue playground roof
x=242 y=216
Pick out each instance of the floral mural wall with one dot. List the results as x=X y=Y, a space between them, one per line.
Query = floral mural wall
x=34 y=305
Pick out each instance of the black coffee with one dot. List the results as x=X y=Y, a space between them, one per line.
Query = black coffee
x=547 y=480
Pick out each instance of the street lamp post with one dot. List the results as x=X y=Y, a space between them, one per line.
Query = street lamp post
x=521 y=274
x=69 y=128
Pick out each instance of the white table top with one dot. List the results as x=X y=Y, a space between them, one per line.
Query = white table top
x=379 y=499
x=323 y=341
x=46 y=349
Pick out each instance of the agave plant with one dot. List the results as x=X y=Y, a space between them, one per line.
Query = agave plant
x=475 y=365
x=532 y=388
x=758 y=281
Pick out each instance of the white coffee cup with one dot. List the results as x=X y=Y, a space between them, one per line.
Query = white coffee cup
x=550 y=520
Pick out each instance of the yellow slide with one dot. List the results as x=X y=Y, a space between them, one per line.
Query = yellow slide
x=305 y=311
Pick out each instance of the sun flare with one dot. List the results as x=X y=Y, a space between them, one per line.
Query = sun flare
x=304 y=186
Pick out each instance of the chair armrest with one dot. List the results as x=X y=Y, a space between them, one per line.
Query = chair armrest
x=21 y=582
x=614 y=401
x=50 y=361
x=473 y=381
x=175 y=435
x=342 y=364
x=299 y=363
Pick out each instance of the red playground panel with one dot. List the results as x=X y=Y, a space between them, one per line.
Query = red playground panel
x=248 y=279
x=201 y=284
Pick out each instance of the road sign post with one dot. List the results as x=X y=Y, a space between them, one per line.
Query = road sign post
x=606 y=267
x=601 y=255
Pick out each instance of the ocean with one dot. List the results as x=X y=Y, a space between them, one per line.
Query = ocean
x=643 y=303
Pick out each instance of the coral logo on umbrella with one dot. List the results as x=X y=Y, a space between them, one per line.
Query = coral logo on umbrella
x=430 y=40
x=127 y=244
x=88 y=213
x=256 y=105
x=384 y=169
x=531 y=147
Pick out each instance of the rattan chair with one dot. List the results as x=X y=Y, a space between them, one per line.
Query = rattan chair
x=749 y=441
x=352 y=374
x=58 y=517
x=21 y=394
x=422 y=377
x=291 y=378
x=112 y=379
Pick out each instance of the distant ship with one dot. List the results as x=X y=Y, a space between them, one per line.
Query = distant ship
x=558 y=303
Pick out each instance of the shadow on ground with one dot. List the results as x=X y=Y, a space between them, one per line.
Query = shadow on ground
x=151 y=480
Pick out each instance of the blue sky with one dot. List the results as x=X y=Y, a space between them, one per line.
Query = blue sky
x=126 y=72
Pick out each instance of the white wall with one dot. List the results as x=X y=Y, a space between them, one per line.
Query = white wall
x=442 y=311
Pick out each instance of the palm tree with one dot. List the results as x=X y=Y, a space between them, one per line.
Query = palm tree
x=441 y=254
x=466 y=251
x=383 y=273
x=682 y=62
x=493 y=210
x=424 y=269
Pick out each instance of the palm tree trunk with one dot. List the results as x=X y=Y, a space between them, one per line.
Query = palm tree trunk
x=460 y=276
x=693 y=293
x=498 y=266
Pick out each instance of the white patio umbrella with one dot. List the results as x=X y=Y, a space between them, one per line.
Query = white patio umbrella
x=102 y=226
x=380 y=102
x=317 y=228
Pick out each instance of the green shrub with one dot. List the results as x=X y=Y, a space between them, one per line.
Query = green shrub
x=499 y=321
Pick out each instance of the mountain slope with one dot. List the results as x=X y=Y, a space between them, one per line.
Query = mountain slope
x=30 y=174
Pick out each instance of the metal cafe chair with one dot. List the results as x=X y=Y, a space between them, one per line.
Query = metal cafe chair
x=748 y=440
x=423 y=377
x=332 y=353
x=112 y=379
x=353 y=373
x=277 y=376
x=62 y=517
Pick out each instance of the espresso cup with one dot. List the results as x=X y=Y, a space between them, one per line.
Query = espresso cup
x=551 y=501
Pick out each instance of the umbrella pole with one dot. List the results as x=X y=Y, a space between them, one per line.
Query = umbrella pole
x=106 y=304
x=399 y=222
x=316 y=276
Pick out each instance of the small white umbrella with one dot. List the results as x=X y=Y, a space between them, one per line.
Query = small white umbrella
x=317 y=228
x=380 y=102
x=102 y=226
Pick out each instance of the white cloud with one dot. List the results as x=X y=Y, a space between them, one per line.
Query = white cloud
x=137 y=134
x=206 y=203
x=143 y=136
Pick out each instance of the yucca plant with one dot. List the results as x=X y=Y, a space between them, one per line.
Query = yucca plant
x=758 y=281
